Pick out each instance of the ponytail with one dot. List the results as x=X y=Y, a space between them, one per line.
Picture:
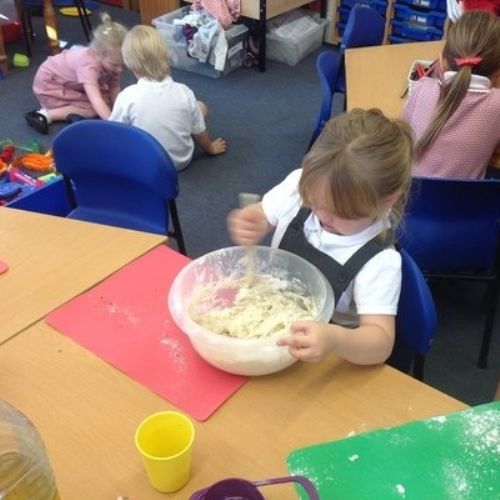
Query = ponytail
x=472 y=47
x=451 y=96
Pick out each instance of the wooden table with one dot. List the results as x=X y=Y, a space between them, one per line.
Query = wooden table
x=87 y=413
x=376 y=76
x=52 y=259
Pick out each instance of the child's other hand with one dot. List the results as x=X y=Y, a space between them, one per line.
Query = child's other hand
x=310 y=340
x=218 y=147
x=247 y=226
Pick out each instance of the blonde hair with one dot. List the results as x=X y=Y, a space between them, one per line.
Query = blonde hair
x=360 y=159
x=108 y=37
x=475 y=34
x=145 y=54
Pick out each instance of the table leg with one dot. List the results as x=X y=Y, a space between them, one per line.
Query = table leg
x=323 y=8
x=3 y=56
x=84 y=18
x=49 y=16
x=262 y=35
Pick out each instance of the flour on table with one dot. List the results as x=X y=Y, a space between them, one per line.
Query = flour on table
x=264 y=307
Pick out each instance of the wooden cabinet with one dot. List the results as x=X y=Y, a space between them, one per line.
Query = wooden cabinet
x=153 y=8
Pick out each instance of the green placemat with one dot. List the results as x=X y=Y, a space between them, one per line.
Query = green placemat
x=452 y=457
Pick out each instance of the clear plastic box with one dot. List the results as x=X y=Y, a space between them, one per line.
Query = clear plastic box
x=292 y=49
x=236 y=38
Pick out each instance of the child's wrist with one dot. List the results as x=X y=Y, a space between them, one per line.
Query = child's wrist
x=333 y=337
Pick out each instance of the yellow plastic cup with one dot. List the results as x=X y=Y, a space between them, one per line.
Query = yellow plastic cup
x=165 y=441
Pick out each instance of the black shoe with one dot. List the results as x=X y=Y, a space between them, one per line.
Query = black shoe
x=73 y=118
x=37 y=121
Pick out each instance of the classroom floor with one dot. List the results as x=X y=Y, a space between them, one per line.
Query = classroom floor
x=267 y=120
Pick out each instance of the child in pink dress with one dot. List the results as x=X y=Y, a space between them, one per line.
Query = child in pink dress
x=456 y=118
x=82 y=82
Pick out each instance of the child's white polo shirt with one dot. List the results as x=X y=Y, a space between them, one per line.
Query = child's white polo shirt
x=167 y=110
x=375 y=289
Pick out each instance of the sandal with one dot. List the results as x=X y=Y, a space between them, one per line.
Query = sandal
x=37 y=121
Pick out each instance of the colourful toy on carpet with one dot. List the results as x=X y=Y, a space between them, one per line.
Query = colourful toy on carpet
x=33 y=147
x=35 y=162
x=21 y=174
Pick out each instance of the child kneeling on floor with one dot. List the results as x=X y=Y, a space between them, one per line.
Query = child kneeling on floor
x=167 y=110
x=339 y=212
x=82 y=82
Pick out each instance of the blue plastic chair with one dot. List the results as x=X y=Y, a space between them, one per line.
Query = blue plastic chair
x=452 y=231
x=328 y=65
x=365 y=27
x=118 y=175
x=416 y=320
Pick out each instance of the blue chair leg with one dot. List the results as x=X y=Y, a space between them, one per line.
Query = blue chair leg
x=418 y=367
x=492 y=295
x=177 y=232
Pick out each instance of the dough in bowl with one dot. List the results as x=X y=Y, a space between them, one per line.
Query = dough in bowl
x=262 y=307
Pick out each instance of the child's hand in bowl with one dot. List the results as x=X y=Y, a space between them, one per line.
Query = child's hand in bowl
x=309 y=340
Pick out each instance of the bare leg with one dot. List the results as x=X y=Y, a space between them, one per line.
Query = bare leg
x=496 y=397
x=203 y=107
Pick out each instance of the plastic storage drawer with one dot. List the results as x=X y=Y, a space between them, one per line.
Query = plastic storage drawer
x=439 y=5
x=236 y=37
x=379 y=5
x=292 y=50
x=416 y=32
x=409 y=15
x=49 y=199
x=393 y=39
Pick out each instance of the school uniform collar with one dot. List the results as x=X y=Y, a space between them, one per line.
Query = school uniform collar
x=312 y=225
x=146 y=81
x=477 y=82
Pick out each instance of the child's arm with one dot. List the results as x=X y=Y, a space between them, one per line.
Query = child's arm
x=114 y=91
x=370 y=343
x=247 y=226
x=216 y=147
x=98 y=103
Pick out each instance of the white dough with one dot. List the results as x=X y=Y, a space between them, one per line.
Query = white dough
x=263 y=307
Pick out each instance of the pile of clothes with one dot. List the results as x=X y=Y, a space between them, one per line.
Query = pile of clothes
x=202 y=29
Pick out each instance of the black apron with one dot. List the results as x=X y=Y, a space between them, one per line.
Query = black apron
x=339 y=276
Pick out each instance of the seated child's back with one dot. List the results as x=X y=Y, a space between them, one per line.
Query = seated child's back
x=166 y=109
x=457 y=120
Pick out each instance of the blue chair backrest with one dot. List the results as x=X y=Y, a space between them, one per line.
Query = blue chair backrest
x=121 y=175
x=328 y=65
x=416 y=321
x=365 y=27
x=452 y=225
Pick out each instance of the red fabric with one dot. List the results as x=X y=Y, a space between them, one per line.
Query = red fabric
x=492 y=6
x=225 y=11
x=316 y=6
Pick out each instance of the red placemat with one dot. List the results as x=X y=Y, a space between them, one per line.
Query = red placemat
x=125 y=321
